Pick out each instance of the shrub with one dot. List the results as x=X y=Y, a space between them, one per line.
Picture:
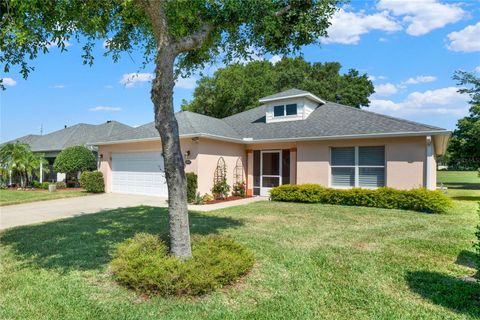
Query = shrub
x=44 y=185
x=220 y=189
x=61 y=185
x=192 y=185
x=239 y=189
x=92 y=181
x=143 y=264
x=206 y=197
x=422 y=200
x=36 y=184
x=75 y=159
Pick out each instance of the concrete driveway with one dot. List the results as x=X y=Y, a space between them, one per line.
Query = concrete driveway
x=42 y=211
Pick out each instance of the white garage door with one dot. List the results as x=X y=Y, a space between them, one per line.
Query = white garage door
x=139 y=173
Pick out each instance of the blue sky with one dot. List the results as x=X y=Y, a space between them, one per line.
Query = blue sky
x=409 y=48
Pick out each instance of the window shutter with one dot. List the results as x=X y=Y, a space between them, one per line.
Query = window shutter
x=343 y=156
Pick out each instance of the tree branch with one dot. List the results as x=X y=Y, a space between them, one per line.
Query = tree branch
x=282 y=11
x=195 y=40
x=156 y=13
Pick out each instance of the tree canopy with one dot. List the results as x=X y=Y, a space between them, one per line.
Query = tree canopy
x=464 y=147
x=75 y=159
x=238 y=87
x=179 y=36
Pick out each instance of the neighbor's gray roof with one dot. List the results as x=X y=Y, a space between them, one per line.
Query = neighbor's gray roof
x=327 y=120
x=79 y=134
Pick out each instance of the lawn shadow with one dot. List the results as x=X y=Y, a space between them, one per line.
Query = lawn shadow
x=463 y=185
x=86 y=242
x=466 y=198
x=453 y=293
x=467 y=259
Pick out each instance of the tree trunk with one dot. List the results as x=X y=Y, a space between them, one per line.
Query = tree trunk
x=167 y=126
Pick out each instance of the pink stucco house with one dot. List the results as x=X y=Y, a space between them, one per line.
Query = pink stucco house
x=294 y=137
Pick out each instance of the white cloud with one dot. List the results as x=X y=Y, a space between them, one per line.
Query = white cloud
x=186 y=83
x=440 y=101
x=105 y=108
x=374 y=78
x=276 y=58
x=381 y=39
x=423 y=16
x=9 y=82
x=420 y=79
x=386 y=89
x=108 y=86
x=348 y=26
x=477 y=69
x=130 y=80
x=58 y=86
x=465 y=40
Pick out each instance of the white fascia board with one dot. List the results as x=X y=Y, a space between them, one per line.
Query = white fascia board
x=256 y=141
x=302 y=95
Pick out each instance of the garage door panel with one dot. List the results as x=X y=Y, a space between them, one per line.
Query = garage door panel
x=139 y=173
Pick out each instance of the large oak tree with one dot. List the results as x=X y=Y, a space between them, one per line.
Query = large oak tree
x=239 y=86
x=178 y=36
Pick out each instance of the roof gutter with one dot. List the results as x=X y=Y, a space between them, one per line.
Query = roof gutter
x=255 y=141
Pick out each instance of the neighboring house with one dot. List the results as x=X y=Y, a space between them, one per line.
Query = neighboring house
x=80 y=134
x=294 y=137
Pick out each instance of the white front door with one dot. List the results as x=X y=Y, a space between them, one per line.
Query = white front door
x=139 y=173
x=270 y=171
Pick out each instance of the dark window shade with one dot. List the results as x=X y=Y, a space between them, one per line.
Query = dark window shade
x=256 y=168
x=371 y=177
x=343 y=156
x=371 y=156
x=286 y=166
x=291 y=109
x=278 y=111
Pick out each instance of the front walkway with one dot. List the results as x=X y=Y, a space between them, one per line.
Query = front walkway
x=43 y=211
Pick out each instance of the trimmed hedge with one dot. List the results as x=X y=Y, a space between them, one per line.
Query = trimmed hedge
x=92 y=181
x=143 y=264
x=422 y=200
x=192 y=186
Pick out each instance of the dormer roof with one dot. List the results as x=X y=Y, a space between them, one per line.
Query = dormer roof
x=291 y=93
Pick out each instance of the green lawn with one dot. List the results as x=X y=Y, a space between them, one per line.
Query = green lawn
x=8 y=197
x=312 y=262
x=462 y=185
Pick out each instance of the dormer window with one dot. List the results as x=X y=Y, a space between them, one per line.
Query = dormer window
x=285 y=110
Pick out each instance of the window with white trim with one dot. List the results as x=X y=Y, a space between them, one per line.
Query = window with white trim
x=358 y=167
x=285 y=110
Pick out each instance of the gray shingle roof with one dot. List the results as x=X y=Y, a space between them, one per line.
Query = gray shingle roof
x=79 y=134
x=188 y=123
x=330 y=119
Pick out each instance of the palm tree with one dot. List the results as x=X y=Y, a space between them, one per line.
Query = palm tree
x=17 y=158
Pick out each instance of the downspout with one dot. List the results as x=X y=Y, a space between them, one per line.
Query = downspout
x=428 y=164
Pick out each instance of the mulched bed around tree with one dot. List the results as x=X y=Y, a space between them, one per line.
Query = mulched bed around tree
x=231 y=198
